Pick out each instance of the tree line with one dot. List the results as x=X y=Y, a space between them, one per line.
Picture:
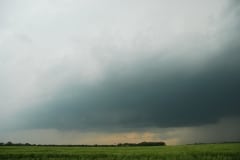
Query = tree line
x=85 y=145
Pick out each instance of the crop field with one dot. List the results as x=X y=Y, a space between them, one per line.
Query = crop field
x=181 y=152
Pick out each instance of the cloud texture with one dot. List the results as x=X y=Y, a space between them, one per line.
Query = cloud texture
x=118 y=66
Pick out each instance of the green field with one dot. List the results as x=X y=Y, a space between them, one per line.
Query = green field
x=183 y=152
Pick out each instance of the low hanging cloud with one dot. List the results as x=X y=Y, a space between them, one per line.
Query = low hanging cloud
x=180 y=86
x=118 y=68
x=172 y=136
x=148 y=97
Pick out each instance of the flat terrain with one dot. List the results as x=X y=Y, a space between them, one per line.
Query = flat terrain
x=183 y=152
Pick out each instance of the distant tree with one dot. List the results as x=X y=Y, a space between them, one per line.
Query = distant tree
x=151 y=144
x=27 y=144
x=143 y=144
x=9 y=143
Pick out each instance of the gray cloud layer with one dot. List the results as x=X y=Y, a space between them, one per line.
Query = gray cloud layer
x=149 y=98
x=130 y=77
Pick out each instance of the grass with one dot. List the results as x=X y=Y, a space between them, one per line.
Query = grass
x=183 y=152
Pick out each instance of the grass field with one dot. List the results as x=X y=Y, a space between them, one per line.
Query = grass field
x=183 y=152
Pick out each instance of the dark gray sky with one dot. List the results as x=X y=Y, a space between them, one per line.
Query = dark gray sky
x=113 y=71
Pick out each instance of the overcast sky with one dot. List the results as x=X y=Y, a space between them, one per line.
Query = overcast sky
x=110 y=71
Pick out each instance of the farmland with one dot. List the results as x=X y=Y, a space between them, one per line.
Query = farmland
x=182 y=152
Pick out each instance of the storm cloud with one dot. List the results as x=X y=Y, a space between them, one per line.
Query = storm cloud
x=156 y=95
x=118 y=66
x=169 y=88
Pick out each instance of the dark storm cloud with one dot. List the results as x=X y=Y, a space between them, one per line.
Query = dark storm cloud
x=152 y=93
x=164 y=90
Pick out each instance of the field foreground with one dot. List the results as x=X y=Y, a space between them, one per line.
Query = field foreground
x=183 y=152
